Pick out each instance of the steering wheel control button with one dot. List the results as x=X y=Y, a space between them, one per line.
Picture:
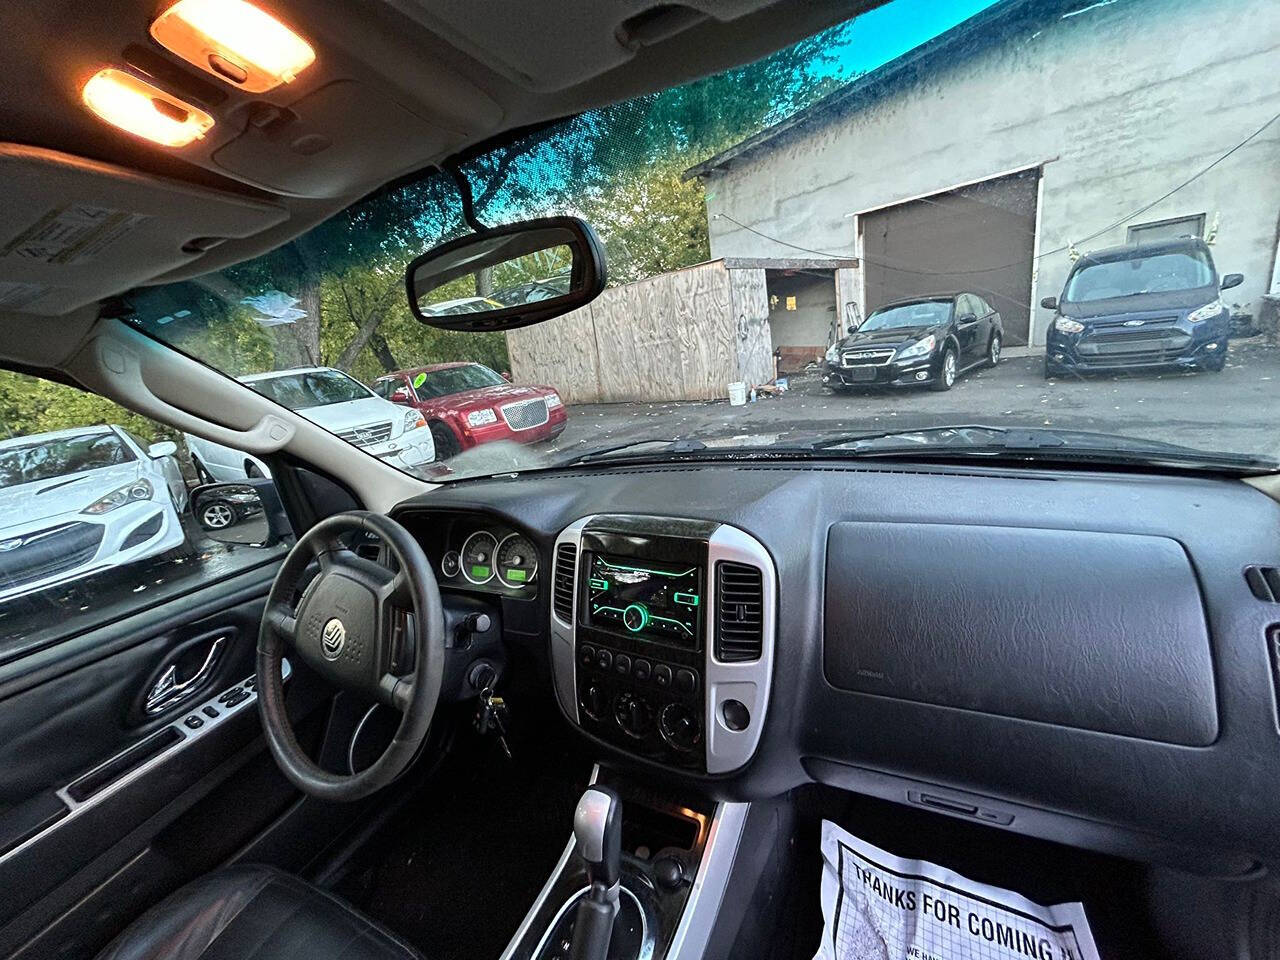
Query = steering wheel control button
x=662 y=675
x=194 y=722
x=735 y=714
x=686 y=681
x=622 y=664
x=587 y=655
x=642 y=671
x=604 y=659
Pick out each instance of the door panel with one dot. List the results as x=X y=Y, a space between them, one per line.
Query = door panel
x=88 y=779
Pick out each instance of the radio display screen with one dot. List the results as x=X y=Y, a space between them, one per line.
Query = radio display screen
x=651 y=601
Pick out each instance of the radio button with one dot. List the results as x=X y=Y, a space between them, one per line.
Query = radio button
x=622 y=664
x=686 y=681
x=643 y=670
x=662 y=675
x=604 y=659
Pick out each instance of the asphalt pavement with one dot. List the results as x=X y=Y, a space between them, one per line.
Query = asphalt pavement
x=1226 y=411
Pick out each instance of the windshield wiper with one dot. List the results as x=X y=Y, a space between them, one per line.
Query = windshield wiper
x=1032 y=443
x=671 y=445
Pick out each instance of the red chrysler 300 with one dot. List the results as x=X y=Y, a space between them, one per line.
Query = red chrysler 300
x=467 y=404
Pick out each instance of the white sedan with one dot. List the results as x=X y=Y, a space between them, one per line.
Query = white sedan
x=79 y=501
x=335 y=401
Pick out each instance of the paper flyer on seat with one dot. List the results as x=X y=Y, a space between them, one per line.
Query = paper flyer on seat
x=880 y=907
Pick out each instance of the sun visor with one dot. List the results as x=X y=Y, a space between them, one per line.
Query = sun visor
x=73 y=231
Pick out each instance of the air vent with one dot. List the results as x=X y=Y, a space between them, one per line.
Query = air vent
x=562 y=581
x=1264 y=582
x=739 y=612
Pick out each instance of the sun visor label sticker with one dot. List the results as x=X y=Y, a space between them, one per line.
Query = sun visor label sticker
x=881 y=907
x=15 y=295
x=72 y=234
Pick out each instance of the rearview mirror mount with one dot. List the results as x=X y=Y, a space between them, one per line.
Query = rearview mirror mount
x=507 y=277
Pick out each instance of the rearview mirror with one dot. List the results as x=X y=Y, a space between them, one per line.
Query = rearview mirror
x=1232 y=280
x=509 y=276
x=1049 y=303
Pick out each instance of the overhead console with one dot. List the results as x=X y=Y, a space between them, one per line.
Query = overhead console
x=662 y=637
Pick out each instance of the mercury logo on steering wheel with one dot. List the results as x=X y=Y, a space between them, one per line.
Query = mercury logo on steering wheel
x=332 y=638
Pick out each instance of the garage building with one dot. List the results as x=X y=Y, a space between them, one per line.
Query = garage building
x=990 y=157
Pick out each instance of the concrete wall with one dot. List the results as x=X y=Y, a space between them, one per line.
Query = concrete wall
x=1121 y=103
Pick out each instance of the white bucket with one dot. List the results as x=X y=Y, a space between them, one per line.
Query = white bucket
x=737 y=394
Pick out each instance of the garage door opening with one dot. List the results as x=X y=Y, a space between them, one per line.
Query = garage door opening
x=979 y=238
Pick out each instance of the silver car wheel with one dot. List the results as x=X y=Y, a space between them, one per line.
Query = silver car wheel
x=216 y=516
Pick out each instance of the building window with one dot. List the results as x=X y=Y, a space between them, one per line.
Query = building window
x=1167 y=229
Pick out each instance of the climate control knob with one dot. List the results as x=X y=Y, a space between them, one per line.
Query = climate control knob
x=680 y=727
x=595 y=702
x=634 y=715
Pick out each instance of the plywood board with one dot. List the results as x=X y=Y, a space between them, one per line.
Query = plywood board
x=753 y=343
x=560 y=353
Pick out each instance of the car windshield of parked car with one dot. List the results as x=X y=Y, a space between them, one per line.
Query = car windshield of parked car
x=909 y=315
x=301 y=391
x=1133 y=276
x=46 y=458
x=441 y=383
x=956 y=158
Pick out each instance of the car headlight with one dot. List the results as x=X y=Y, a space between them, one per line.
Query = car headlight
x=833 y=353
x=478 y=418
x=1204 y=313
x=129 y=493
x=554 y=401
x=1067 y=325
x=921 y=348
x=413 y=420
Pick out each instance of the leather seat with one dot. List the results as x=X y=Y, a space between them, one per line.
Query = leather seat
x=254 y=913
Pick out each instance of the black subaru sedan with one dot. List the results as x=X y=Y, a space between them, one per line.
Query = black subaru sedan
x=1139 y=306
x=924 y=341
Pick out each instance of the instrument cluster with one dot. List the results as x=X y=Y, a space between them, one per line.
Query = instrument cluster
x=487 y=558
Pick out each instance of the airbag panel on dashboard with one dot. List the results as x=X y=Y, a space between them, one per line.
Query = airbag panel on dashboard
x=1099 y=631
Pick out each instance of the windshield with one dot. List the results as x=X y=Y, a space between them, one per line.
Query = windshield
x=315 y=388
x=440 y=383
x=1131 y=276
x=753 y=219
x=909 y=315
x=45 y=458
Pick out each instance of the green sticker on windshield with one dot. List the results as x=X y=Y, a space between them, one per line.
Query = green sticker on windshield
x=419 y=380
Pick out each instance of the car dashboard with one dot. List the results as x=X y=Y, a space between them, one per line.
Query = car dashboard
x=1085 y=657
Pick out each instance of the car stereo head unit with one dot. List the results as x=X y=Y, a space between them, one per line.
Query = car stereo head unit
x=659 y=602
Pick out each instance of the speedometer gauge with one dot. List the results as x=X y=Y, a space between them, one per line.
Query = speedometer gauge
x=517 y=561
x=477 y=557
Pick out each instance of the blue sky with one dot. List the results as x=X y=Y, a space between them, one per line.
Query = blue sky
x=889 y=31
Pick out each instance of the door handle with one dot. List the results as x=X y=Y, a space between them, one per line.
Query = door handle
x=168 y=689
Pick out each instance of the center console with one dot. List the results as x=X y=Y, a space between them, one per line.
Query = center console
x=662 y=635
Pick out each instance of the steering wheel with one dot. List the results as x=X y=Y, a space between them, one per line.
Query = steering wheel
x=350 y=627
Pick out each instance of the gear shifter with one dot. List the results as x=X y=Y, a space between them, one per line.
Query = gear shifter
x=597 y=830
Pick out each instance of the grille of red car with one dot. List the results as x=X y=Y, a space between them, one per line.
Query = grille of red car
x=526 y=414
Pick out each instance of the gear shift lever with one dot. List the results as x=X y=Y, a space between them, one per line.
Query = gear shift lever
x=597 y=830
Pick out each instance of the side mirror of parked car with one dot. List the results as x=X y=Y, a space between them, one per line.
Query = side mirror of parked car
x=247 y=512
x=1049 y=303
x=399 y=396
x=165 y=448
x=481 y=282
x=967 y=318
x=1232 y=280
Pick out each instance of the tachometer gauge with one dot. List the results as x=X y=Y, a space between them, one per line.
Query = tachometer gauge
x=478 y=557
x=517 y=561
x=451 y=564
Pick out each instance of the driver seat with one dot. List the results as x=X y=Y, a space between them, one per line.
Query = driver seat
x=254 y=913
